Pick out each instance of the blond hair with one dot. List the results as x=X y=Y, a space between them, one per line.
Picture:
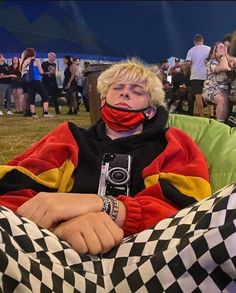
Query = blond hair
x=132 y=71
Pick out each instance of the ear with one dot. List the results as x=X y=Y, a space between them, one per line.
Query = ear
x=150 y=112
x=103 y=101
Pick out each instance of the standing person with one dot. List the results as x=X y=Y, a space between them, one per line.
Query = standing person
x=16 y=85
x=31 y=72
x=85 y=87
x=80 y=79
x=196 y=57
x=50 y=81
x=5 y=85
x=216 y=85
x=24 y=83
x=70 y=85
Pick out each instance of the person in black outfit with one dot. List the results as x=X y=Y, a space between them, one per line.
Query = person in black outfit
x=5 y=85
x=70 y=85
x=16 y=84
x=182 y=90
x=50 y=81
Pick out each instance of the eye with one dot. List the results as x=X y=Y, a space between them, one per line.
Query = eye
x=139 y=93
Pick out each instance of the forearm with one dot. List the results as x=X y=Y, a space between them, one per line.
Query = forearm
x=2 y=76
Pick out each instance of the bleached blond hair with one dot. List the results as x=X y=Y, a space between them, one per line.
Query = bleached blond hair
x=133 y=71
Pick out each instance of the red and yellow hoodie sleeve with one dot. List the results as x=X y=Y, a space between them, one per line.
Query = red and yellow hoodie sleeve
x=177 y=178
x=47 y=165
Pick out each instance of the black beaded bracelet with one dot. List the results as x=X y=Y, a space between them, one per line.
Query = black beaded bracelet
x=115 y=208
x=106 y=205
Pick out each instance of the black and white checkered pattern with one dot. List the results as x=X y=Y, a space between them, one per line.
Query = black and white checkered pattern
x=193 y=251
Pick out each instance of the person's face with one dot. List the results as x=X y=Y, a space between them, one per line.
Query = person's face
x=15 y=60
x=51 y=57
x=2 y=59
x=220 y=50
x=128 y=96
x=184 y=66
x=77 y=62
x=65 y=61
x=166 y=66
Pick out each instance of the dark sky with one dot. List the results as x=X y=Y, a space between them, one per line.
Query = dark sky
x=151 y=30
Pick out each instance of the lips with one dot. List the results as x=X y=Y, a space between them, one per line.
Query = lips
x=122 y=105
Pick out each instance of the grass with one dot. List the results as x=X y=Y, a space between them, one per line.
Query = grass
x=17 y=133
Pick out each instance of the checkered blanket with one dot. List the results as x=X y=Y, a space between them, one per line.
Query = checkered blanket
x=192 y=251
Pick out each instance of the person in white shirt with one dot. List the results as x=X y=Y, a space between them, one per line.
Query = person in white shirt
x=196 y=57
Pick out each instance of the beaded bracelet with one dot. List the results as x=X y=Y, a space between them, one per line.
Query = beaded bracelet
x=115 y=208
x=106 y=205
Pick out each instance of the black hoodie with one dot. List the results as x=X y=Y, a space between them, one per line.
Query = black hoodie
x=94 y=142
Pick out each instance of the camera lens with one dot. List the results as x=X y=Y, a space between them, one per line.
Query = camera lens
x=118 y=176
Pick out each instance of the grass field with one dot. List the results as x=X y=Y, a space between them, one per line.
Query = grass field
x=17 y=133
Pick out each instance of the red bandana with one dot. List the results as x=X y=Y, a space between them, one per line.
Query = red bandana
x=120 y=119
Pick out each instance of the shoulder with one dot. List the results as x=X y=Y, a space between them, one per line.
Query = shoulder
x=179 y=136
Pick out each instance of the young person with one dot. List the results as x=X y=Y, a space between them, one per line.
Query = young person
x=54 y=184
x=196 y=58
x=49 y=79
x=34 y=81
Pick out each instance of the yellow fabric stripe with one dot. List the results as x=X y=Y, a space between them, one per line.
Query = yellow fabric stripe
x=191 y=186
x=151 y=180
x=58 y=178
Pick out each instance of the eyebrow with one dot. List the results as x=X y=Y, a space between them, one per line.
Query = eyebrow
x=131 y=84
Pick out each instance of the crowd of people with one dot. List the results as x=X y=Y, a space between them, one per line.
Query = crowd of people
x=26 y=76
x=205 y=78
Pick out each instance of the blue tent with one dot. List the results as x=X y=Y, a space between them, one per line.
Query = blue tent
x=112 y=30
x=49 y=26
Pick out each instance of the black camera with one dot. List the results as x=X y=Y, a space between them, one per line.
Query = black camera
x=115 y=175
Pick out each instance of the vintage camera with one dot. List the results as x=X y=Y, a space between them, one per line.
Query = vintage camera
x=115 y=175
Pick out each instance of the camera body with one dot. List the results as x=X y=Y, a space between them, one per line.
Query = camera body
x=115 y=175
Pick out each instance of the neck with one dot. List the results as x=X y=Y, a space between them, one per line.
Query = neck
x=118 y=134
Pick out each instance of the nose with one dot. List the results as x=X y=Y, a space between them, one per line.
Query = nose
x=125 y=95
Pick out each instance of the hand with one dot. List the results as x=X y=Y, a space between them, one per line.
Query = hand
x=48 y=209
x=13 y=76
x=91 y=233
x=67 y=86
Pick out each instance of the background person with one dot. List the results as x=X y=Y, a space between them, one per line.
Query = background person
x=70 y=85
x=216 y=85
x=49 y=80
x=5 y=85
x=16 y=85
x=196 y=57
x=34 y=84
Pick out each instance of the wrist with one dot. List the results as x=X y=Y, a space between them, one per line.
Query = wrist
x=114 y=208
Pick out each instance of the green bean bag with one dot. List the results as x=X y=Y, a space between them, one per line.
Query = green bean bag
x=217 y=142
